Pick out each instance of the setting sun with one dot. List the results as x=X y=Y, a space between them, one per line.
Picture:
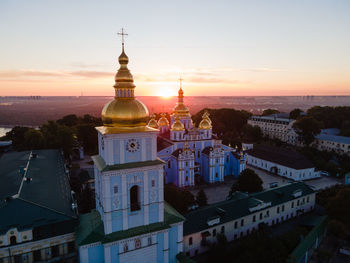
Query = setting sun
x=165 y=92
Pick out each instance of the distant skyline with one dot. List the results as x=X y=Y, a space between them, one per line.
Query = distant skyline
x=225 y=48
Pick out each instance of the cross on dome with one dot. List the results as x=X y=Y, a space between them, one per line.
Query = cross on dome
x=122 y=33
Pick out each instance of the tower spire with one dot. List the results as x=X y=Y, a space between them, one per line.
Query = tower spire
x=122 y=34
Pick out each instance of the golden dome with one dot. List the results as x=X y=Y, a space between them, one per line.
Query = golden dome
x=177 y=125
x=152 y=122
x=125 y=110
x=204 y=125
x=180 y=108
x=163 y=121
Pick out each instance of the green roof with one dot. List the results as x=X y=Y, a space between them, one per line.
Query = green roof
x=103 y=167
x=238 y=207
x=320 y=224
x=35 y=196
x=91 y=230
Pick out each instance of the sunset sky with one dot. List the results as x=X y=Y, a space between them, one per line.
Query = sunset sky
x=234 y=48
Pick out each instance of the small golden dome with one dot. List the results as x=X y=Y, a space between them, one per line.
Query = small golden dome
x=152 y=122
x=177 y=125
x=125 y=110
x=204 y=125
x=180 y=109
x=163 y=121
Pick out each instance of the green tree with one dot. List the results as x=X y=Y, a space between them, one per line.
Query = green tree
x=248 y=181
x=16 y=135
x=294 y=114
x=307 y=128
x=338 y=206
x=69 y=120
x=201 y=198
x=268 y=112
x=180 y=199
x=337 y=228
x=252 y=133
x=34 y=139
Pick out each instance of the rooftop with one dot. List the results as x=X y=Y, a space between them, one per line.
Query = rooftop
x=282 y=156
x=241 y=205
x=91 y=230
x=35 y=187
x=333 y=138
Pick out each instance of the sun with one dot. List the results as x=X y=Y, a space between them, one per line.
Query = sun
x=165 y=92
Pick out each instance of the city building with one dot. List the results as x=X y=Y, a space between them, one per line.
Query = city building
x=132 y=222
x=37 y=210
x=244 y=213
x=193 y=154
x=283 y=162
x=329 y=140
x=275 y=126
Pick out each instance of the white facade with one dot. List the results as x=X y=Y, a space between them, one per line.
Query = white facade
x=281 y=170
x=274 y=127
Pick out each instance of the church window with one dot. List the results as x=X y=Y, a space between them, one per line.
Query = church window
x=13 y=240
x=115 y=189
x=186 y=163
x=214 y=232
x=134 y=198
x=199 y=154
x=216 y=175
x=186 y=178
x=227 y=158
x=126 y=248
x=217 y=160
x=153 y=183
x=222 y=229
x=137 y=243
x=190 y=241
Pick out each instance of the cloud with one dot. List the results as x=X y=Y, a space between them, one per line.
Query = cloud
x=15 y=74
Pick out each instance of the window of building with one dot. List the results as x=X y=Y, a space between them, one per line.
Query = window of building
x=267 y=213
x=298 y=202
x=149 y=241
x=308 y=199
x=242 y=222
x=55 y=251
x=190 y=241
x=186 y=163
x=222 y=229
x=169 y=164
x=282 y=208
x=186 y=179
x=260 y=216
x=13 y=240
x=254 y=218
x=126 y=247
x=71 y=247
x=236 y=224
x=137 y=243
x=37 y=255
x=153 y=183
x=214 y=232
x=115 y=189
x=278 y=210
x=227 y=158
x=216 y=175
x=292 y=204
x=134 y=198
x=199 y=154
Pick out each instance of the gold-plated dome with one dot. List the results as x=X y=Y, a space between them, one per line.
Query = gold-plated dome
x=205 y=124
x=125 y=110
x=163 y=121
x=152 y=122
x=181 y=109
x=177 y=125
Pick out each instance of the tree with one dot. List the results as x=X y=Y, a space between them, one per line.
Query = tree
x=16 y=135
x=34 y=139
x=252 y=133
x=270 y=112
x=248 y=181
x=69 y=120
x=307 y=128
x=337 y=228
x=338 y=206
x=180 y=199
x=294 y=114
x=201 y=198
x=86 y=200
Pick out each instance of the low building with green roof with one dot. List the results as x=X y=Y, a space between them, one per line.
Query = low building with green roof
x=37 y=211
x=243 y=213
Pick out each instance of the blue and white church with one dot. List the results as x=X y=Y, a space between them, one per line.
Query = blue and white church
x=193 y=154
x=132 y=222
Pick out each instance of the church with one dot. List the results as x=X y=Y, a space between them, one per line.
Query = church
x=193 y=154
x=132 y=222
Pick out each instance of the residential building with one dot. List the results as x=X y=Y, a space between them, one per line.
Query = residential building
x=329 y=140
x=243 y=214
x=37 y=209
x=283 y=162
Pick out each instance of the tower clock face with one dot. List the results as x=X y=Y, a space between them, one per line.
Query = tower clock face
x=132 y=145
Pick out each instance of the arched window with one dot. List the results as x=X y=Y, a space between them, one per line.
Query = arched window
x=13 y=240
x=134 y=198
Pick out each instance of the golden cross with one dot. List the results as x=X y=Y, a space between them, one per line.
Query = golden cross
x=180 y=79
x=122 y=34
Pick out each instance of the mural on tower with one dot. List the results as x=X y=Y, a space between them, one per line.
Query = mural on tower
x=193 y=154
x=132 y=222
